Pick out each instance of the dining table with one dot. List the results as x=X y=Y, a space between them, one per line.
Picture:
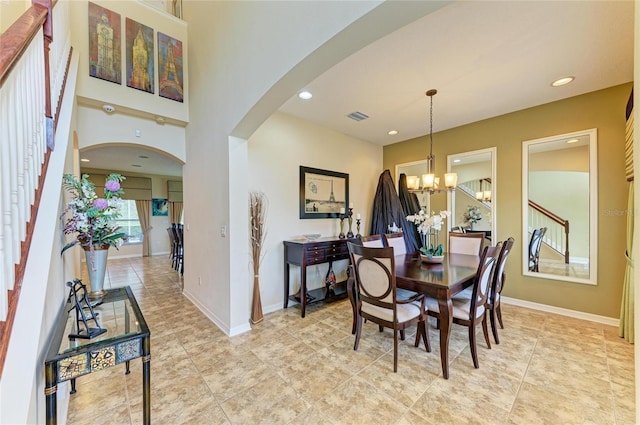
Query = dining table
x=440 y=281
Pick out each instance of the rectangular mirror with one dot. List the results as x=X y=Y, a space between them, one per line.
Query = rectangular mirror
x=471 y=204
x=559 y=204
x=415 y=168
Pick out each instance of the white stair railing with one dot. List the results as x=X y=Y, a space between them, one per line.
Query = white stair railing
x=32 y=66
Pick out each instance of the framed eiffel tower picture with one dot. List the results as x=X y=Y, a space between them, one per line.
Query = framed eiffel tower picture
x=323 y=193
x=170 y=76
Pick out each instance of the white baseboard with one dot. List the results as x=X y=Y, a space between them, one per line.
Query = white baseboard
x=237 y=330
x=611 y=321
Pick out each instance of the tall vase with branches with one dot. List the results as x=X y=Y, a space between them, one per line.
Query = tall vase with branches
x=257 y=211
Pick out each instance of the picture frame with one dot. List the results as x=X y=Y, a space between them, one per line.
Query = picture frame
x=160 y=207
x=105 y=41
x=323 y=193
x=170 y=78
x=139 y=56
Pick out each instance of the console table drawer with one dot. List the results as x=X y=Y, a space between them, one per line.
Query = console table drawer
x=315 y=256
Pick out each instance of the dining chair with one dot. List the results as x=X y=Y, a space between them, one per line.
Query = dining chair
x=497 y=284
x=373 y=241
x=471 y=310
x=396 y=241
x=466 y=243
x=535 y=243
x=377 y=300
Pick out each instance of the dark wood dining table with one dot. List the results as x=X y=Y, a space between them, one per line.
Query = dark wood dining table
x=440 y=281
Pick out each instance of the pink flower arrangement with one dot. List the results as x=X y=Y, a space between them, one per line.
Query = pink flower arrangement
x=90 y=218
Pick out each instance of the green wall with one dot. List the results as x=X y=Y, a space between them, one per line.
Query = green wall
x=604 y=110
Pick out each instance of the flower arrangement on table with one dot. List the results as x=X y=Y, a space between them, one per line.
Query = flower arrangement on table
x=429 y=226
x=92 y=218
x=473 y=215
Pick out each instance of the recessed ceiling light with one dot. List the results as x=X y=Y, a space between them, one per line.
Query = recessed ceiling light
x=392 y=132
x=305 y=95
x=562 y=81
x=143 y=156
x=456 y=161
x=136 y=165
x=573 y=141
x=84 y=160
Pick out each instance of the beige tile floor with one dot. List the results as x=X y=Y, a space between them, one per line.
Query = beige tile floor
x=548 y=369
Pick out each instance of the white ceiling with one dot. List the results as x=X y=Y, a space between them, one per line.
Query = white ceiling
x=485 y=58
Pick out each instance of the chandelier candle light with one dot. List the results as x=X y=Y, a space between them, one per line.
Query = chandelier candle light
x=429 y=182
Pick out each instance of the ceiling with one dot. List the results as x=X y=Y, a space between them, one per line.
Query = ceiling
x=130 y=159
x=485 y=58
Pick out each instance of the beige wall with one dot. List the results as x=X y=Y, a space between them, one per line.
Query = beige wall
x=603 y=110
x=241 y=73
x=119 y=94
x=276 y=152
x=10 y=11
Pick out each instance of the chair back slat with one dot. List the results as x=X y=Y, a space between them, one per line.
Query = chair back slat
x=466 y=243
x=396 y=241
x=373 y=241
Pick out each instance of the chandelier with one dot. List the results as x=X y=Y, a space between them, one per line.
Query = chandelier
x=429 y=182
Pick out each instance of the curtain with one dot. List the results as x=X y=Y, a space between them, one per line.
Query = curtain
x=175 y=211
x=626 y=327
x=144 y=207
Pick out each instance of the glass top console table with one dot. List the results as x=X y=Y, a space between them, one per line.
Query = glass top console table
x=127 y=337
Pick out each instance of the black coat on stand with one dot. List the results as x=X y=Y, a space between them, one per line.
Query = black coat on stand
x=387 y=209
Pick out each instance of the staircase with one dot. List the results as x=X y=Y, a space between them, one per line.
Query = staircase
x=34 y=63
x=557 y=234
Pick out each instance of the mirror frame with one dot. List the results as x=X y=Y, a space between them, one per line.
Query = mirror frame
x=427 y=198
x=494 y=186
x=593 y=207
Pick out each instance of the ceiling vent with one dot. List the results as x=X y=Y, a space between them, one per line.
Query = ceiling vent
x=358 y=116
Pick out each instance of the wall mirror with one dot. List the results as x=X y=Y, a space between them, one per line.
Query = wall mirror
x=415 y=168
x=559 y=204
x=471 y=203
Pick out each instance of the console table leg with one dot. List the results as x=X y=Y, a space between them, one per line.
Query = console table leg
x=286 y=283
x=50 y=390
x=146 y=382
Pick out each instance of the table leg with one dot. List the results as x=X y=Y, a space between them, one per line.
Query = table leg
x=446 y=320
x=50 y=390
x=146 y=381
x=286 y=282
x=303 y=289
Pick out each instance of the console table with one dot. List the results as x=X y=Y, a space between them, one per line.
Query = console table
x=127 y=338
x=303 y=253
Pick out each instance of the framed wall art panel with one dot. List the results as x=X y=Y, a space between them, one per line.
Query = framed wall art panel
x=323 y=194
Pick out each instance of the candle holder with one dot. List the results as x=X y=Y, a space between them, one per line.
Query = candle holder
x=341 y=235
x=350 y=232
x=358 y=227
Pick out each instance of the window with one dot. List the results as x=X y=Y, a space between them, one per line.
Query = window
x=129 y=222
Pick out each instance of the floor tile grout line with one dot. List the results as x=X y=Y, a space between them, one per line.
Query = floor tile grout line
x=526 y=370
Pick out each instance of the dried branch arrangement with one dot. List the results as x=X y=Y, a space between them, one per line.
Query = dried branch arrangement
x=257 y=210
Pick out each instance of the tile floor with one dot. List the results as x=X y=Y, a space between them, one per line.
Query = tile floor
x=548 y=369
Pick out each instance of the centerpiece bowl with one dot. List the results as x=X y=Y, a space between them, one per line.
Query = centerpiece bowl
x=434 y=259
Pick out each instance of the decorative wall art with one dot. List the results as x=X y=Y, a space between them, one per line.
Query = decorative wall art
x=139 y=55
x=170 y=68
x=104 y=44
x=322 y=193
x=160 y=207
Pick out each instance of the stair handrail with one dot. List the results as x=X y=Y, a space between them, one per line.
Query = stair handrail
x=31 y=33
x=564 y=223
